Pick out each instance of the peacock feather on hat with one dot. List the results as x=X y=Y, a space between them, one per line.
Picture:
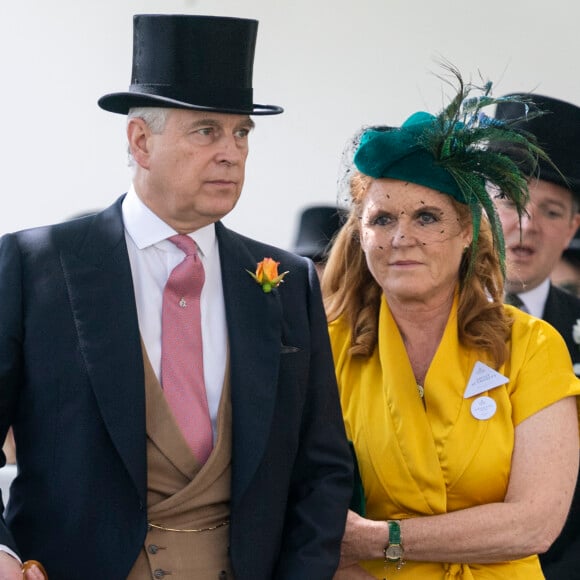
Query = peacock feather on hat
x=460 y=152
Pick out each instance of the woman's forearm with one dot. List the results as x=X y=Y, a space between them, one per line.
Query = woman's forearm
x=543 y=477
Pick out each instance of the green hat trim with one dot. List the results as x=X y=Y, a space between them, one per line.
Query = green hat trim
x=457 y=153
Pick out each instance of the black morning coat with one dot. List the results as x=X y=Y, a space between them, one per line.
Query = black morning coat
x=71 y=384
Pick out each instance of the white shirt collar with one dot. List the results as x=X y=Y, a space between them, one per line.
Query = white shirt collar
x=535 y=300
x=147 y=229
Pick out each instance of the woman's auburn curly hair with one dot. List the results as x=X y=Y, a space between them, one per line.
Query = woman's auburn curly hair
x=349 y=289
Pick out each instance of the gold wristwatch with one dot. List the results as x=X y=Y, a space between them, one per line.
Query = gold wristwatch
x=394 y=549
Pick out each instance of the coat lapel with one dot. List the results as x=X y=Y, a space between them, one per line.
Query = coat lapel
x=554 y=313
x=561 y=311
x=102 y=300
x=254 y=321
x=100 y=287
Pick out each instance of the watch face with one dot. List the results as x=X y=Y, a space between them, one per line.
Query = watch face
x=394 y=552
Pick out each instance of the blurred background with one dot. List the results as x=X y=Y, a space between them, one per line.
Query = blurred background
x=333 y=65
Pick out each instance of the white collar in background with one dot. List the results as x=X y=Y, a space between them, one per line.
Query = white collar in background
x=535 y=300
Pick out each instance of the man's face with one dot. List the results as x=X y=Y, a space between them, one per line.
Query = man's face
x=545 y=233
x=192 y=173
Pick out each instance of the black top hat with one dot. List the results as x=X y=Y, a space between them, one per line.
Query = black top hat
x=318 y=225
x=191 y=62
x=557 y=131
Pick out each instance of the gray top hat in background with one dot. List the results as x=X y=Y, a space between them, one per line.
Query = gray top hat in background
x=557 y=130
x=191 y=62
x=318 y=226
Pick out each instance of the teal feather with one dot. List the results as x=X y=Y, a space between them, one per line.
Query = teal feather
x=471 y=146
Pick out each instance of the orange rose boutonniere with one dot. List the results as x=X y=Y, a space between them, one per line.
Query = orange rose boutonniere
x=267 y=274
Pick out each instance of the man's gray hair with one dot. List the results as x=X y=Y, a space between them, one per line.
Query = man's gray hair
x=154 y=117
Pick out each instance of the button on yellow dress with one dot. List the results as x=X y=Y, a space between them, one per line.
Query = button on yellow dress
x=420 y=460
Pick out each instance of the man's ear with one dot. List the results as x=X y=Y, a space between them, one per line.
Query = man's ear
x=138 y=133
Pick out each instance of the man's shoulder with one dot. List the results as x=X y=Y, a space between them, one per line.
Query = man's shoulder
x=562 y=310
x=260 y=250
x=66 y=233
x=563 y=298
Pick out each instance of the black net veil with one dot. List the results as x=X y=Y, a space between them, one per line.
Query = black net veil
x=346 y=166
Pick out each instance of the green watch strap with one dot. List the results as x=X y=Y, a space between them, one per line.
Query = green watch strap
x=394 y=533
x=394 y=552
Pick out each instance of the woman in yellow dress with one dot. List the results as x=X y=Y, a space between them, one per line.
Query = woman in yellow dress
x=461 y=410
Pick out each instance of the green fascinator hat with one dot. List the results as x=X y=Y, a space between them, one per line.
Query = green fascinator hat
x=458 y=152
x=399 y=154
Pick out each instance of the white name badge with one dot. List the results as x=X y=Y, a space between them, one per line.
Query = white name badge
x=483 y=378
x=483 y=408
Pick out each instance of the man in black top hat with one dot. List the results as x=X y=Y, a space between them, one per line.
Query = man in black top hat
x=108 y=485
x=546 y=232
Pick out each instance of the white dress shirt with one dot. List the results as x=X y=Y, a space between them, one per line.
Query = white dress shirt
x=152 y=259
x=535 y=300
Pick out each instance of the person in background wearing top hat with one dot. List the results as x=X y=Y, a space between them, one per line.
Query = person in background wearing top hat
x=546 y=230
x=566 y=272
x=552 y=216
x=316 y=229
x=113 y=481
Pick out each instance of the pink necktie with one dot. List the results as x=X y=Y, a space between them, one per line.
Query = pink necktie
x=182 y=350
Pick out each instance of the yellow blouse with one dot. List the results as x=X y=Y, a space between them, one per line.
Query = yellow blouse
x=417 y=460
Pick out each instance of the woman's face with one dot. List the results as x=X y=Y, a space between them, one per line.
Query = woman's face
x=413 y=240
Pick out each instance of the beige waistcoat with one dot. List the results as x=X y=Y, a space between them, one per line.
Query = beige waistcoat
x=182 y=495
